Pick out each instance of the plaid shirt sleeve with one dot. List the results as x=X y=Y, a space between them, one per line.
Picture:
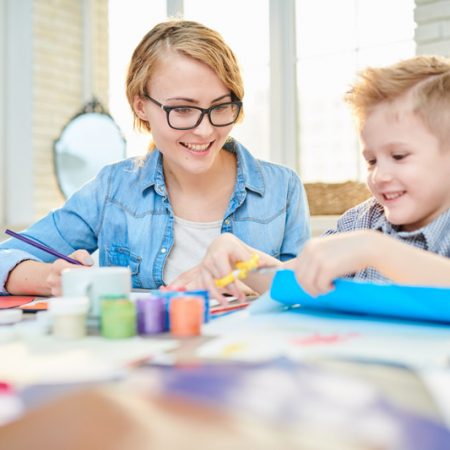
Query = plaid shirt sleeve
x=366 y=215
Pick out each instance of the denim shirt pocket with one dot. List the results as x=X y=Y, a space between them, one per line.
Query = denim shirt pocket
x=260 y=228
x=119 y=255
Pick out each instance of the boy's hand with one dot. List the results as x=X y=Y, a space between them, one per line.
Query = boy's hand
x=326 y=258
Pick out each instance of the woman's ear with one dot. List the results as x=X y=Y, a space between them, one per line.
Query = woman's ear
x=139 y=107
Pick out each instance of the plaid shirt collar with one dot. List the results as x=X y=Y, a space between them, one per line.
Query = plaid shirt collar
x=435 y=235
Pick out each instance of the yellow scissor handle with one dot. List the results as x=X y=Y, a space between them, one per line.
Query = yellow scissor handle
x=226 y=280
x=241 y=272
x=250 y=264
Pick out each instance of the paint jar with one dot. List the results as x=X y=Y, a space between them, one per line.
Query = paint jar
x=9 y=319
x=186 y=315
x=32 y=329
x=150 y=315
x=10 y=316
x=68 y=316
x=167 y=296
x=11 y=405
x=205 y=295
x=117 y=317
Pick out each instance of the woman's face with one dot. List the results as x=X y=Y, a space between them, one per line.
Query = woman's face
x=183 y=81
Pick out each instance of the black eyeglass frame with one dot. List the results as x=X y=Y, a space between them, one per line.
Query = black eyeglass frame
x=204 y=111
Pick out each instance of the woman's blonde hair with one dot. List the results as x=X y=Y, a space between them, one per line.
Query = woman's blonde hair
x=187 y=38
x=425 y=78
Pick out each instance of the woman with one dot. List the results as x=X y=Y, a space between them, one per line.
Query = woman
x=157 y=214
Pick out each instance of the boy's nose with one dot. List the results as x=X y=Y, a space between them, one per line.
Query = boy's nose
x=381 y=174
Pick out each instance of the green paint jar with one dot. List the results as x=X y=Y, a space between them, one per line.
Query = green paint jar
x=118 y=317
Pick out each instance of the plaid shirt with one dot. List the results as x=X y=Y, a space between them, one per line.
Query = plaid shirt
x=434 y=237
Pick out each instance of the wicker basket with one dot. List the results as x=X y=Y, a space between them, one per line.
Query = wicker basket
x=335 y=198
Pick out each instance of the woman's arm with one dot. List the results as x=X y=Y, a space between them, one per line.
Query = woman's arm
x=38 y=278
x=71 y=229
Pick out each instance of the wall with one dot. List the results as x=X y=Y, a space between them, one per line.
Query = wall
x=2 y=108
x=58 y=83
x=433 y=27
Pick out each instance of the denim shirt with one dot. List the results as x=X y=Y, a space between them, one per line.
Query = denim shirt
x=125 y=213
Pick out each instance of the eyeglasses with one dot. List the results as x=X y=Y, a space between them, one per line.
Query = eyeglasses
x=188 y=117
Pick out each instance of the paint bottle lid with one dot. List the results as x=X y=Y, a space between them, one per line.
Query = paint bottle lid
x=10 y=316
x=58 y=306
x=186 y=315
x=31 y=329
x=8 y=334
x=114 y=297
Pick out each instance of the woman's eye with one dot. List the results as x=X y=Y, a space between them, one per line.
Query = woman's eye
x=371 y=162
x=398 y=157
x=183 y=110
x=222 y=108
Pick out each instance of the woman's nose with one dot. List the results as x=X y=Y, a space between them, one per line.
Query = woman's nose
x=204 y=127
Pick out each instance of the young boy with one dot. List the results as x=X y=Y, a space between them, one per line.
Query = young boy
x=402 y=233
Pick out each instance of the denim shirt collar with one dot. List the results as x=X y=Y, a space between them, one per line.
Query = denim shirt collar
x=152 y=173
x=249 y=175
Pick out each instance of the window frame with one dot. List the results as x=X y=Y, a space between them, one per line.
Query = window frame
x=16 y=162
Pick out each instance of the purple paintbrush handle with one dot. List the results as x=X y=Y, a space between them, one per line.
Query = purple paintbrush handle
x=42 y=247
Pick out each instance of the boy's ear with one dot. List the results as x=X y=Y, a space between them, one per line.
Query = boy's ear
x=139 y=107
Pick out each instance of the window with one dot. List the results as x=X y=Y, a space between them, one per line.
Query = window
x=245 y=27
x=334 y=41
x=129 y=21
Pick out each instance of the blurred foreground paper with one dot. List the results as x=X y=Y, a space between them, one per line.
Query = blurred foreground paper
x=314 y=408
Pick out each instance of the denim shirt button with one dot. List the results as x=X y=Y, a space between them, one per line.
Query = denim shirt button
x=227 y=222
x=163 y=250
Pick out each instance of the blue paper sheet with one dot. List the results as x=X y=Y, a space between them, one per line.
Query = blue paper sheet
x=363 y=297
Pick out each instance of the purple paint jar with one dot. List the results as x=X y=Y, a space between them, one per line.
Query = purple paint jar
x=150 y=315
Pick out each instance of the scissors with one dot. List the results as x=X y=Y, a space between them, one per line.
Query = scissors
x=242 y=269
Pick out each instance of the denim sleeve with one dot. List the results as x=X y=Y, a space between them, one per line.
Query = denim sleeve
x=72 y=227
x=298 y=227
x=10 y=258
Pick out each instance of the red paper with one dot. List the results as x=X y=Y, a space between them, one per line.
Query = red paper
x=13 y=301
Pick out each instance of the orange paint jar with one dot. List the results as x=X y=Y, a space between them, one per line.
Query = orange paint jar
x=186 y=315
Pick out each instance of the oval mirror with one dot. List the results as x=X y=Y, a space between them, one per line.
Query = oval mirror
x=90 y=140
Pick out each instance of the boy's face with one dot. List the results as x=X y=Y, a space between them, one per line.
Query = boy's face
x=408 y=171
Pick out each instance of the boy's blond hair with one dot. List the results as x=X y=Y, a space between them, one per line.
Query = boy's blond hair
x=425 y=78
x=187 y=38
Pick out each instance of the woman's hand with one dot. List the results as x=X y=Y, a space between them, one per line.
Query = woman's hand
x=220 y=259
x=38 y=278
x=56 y=268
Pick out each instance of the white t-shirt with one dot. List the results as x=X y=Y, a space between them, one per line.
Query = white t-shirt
x=190 y=244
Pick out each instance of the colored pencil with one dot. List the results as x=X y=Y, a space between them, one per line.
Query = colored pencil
x=42 y=247
x=222 y=309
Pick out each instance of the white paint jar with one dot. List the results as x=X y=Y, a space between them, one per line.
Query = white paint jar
x=68 y=316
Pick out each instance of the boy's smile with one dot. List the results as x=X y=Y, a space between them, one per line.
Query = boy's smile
x=408 y=171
